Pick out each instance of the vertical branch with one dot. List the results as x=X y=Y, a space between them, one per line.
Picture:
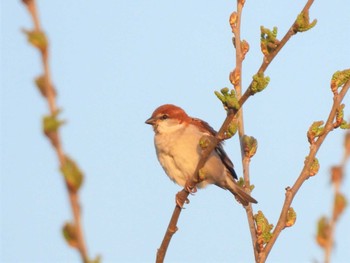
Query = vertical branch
x=236 y=80
x=73 y=177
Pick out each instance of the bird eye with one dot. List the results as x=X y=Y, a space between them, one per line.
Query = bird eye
x=164 y=117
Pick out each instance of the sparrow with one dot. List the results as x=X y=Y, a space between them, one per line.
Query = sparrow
x=176 y=140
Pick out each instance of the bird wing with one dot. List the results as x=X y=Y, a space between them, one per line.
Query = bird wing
x=219 y=149
x=225 y=160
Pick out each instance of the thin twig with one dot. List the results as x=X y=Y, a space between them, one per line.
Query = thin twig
x=304 y=175
x=50 y=95
x=236 y=30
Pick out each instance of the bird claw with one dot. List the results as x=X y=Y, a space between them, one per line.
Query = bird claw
x=180 y=200
x=192 y=190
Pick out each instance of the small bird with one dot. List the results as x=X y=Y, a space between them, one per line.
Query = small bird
x=176 y=140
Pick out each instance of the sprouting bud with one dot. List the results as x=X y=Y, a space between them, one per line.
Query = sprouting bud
x=72 y=174
x=316 y=129
x=291 y=217
x=250 y=145
x=314 y=168
x=232 y=129
x=339 y=78
x=37 y=39
x=228 y=99
x=41 y=85
x=323 y=231
x=339 y=117
x=303 y=22
x=340 y=204
x=70 y=234
x=204 y=142
x=51 y=122
x=263 y=227
x=345 y=125
x=242 y=184
x=268 y=40
x=259 y=83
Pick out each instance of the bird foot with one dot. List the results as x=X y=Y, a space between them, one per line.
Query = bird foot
x=192 y=190
x=180 y=199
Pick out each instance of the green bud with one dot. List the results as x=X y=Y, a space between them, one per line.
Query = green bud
x=259 y=83
x=37 y=39
x=232 y=129
x=51 y=123
x=345 y=125
x=263 y=227
x=291 y=217
x=204 y=142
x=315 y=167
x=70 y=234
x=41 y=84
x=339 y=78
x=242 y=184
x=303 y=22
x=316 y=129
x=72 y=174
x=323 y=232
x=228 y=98
x=340 y=204
x=268 y=40
x=250 y=145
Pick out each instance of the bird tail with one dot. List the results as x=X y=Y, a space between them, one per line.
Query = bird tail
x=241 y=196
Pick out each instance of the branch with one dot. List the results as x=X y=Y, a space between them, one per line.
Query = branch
x=295 y=28
x=242 y=47
x=326 y=227
x=73 y=177
x=182 y=196
x=305 y=173
x=236 y=80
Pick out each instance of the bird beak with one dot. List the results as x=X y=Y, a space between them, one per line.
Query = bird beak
x=151 y=121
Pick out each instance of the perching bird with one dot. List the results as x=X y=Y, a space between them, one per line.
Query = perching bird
x=176 y=140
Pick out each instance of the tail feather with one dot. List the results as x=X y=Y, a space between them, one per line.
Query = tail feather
x=239 y=193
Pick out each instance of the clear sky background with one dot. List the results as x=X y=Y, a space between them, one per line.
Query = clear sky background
x=113 y=63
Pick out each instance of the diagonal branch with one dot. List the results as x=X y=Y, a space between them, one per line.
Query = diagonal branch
x=305 y=173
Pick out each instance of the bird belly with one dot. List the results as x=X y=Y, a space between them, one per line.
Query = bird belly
x=179 y=155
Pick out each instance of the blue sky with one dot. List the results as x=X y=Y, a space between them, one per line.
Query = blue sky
x=112 y=63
